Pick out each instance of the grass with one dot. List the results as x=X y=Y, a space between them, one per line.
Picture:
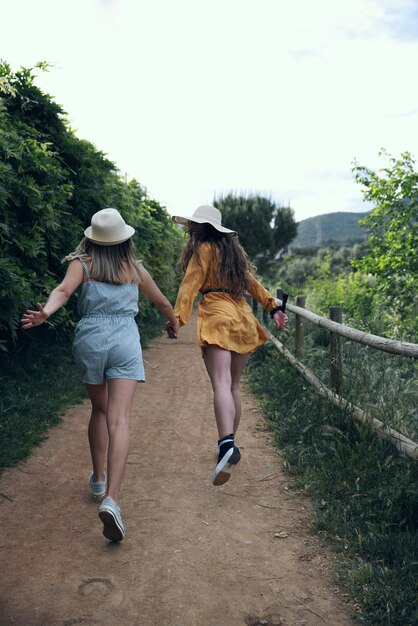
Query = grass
x=36 y=386
x=38 y=382
x=365 y=494
x=383 y=384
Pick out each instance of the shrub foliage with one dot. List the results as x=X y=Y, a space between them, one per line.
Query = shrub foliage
x=51 y=183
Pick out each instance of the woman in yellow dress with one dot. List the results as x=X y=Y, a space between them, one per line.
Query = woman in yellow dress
x=215 y=264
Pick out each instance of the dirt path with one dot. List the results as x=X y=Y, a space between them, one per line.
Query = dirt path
x=193 y=555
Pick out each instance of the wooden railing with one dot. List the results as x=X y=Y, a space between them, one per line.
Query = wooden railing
x=337 y=330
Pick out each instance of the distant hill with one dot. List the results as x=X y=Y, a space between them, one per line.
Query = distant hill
x=332 y=229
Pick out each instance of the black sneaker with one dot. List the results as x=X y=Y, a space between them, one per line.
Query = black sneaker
x=225 y=465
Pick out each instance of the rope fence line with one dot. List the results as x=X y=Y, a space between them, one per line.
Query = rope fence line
x=403 y=444
x=393 y=346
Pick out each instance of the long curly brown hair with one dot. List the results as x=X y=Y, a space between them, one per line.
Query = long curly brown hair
x=234 y=265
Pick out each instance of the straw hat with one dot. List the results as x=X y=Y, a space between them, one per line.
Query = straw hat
x=205 y=214
x=108 y=228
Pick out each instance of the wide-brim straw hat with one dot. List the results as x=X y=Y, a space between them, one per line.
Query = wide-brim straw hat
x=205 y=214
x=108 y=228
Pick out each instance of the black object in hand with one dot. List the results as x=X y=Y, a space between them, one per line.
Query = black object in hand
x=282 y=307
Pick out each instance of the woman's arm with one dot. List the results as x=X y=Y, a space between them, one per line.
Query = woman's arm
x=193 y=279
x=261 y=294
x=57 y=298
x=267 y=301
x=150 y=289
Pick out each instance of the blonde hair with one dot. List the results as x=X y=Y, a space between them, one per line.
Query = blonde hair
x=109 y=264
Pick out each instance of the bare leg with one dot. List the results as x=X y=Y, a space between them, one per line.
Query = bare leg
x=238 y=363
x=97 y=431
x=120 y=397
x=218 y=365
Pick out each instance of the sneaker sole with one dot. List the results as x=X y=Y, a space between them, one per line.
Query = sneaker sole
x=98 y=496
x=111 y=530
x=224 y=474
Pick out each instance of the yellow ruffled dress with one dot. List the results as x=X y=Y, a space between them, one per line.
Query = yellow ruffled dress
x=222 y=320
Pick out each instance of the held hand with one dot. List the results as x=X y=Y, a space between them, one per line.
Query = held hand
x=280 y=319
x=31 y=318
x=172 y=330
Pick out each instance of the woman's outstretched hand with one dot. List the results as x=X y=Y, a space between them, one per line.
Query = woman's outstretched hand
x=34 y=318
x=280 y=319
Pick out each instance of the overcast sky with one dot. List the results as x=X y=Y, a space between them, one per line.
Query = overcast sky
x=196 y=98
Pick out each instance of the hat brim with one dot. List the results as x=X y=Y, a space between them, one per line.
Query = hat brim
x=179 y=219
x=129 y=232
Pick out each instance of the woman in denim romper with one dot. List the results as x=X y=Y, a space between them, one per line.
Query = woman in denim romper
x=107 y=346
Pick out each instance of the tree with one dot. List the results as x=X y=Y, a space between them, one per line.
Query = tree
x=264 y=228
x=392 y=250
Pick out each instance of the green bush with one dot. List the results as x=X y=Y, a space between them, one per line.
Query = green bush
x=51 y=183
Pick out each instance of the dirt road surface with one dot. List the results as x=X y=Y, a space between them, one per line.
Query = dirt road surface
x=193 y=554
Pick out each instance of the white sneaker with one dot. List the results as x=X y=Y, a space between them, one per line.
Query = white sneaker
x=98 y=490
x=109 y=513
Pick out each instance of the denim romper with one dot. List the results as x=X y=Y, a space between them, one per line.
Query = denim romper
x=106 y=340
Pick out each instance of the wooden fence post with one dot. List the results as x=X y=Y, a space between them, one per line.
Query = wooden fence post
x=335 y=370
x=299 y=330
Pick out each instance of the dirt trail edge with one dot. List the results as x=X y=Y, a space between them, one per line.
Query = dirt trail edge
x=194 y=554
